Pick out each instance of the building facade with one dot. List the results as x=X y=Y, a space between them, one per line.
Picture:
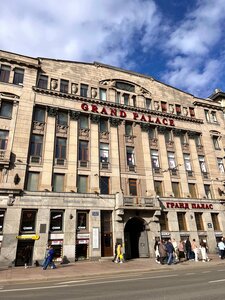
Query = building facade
x=91 y=154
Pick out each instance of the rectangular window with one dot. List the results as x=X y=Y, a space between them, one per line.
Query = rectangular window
x=4 y=73
x=171 y=160
x=82 y=184
x=60 y=152
x=43 y=82
x=158 y=188
x=126 y=99
x=182 y=221
x=33 y=181
x=118 y=97
x=148 y=103
x=64 y=86
x=39 y=114
x=103 y=125
x=198 y=141
x=192 y=190
x=168 y=136
x=84 y=90
x=202 y=164
x=208 y=191
x=213 y=117
x=58 y=183
x=216 y=142
x=163 y=221
x=62 y=118
x=36 y=145
x=199 y=221
x=130 y=156
x=102 y=94
x=3 y=139
x=220 y=165
x=84 y=124
x=152 y=133
x=104 y=185
x=2 y=216
x=83 y=150
x=28 y=220
x=128 y=129
x=133 y=187
x=6 y=109
x=155 y=159
x=164 y=106
x=56 y=220
x=183 y=138
x=18 y=76
x=176 y=189
x=207 y=115
x=82 y=220
x=192 y=112
x=178 y=109
x=134 y=101
x=187 y=162
x=215 y=221
x=104 y=152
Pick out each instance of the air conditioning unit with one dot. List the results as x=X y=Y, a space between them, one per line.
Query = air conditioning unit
x=60 y=162
x=35 y=159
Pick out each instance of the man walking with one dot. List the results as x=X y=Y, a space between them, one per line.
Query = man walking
x=170 y=250
x=221 y=247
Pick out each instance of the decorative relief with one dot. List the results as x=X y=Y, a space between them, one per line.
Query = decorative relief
x=74 y=115
x=171 y=108
x=115 y=122
x=74 y=88
x=52 y=111
x=95 y=118
x=144 y=126
x=61 y=129
x=142 y=91
x=156 y=105
x=84 y=132
x=38 y=126
x=54 y=84
x=110 y=83
x=104 y=135
x=93 y=92
x=161 y=129
x=185 y=111
x=177 y=132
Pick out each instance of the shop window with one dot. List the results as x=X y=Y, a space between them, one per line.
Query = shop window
x=39 y=114
x=103 y=125
x=64 y=86
x=133 y=187
x=60 y=152
x=181 y=218
x=33 y=181
x=208 y=193
x=158 y=188
x=62 y=118
x=43 y=82
x=164 y=107
x=155 y=161
x=58 y=183
x=2 y=216
x=192 y=190
x=176 y=189
x=28 y=220
x=220 y=165
x=104 y=152
x=82 y=184
x=128 y=129
x=215 y=221
x=84 y=90
x=36 y=145
x=4 y=73
x=163 y=221
x=84 y=124
x=6 y=109
x=83 y=151
x=56 y=220
x=148 y=103
x=104 y=185
x=199 y=221
x=18 y=76
x=82 y=220
x=215 y=140
x=102 y=94
x=3 y=139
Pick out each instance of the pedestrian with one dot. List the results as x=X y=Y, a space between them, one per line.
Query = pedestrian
x=175 y=246
x=162 y=252
x=119 y=254
x=156 y=248
x=115 y=252
x=203 y=249
x=49 y=259
x=170 y=251
x=221 y=247
x=188 y=248
x=181 y=254
x=195 y=248
x=27 y=256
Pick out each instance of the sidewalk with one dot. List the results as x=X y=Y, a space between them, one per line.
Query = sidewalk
x=80 y=270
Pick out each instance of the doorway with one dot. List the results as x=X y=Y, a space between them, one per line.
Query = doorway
x=136 y=239
x=106 y=234
x=22 y=244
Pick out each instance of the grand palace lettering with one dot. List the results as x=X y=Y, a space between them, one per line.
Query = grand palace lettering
x=114 y=112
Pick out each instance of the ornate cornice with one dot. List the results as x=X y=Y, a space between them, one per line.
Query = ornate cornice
x=74 y=115
x=115 y=122
x=208 y=105
x=19 y=62
x=52 y=111
x=95 y=118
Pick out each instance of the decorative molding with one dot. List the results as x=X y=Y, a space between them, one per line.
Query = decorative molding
x=144 y=127
x=74 y=115
x=95 y=118
x=115 y=122
x=52 y=111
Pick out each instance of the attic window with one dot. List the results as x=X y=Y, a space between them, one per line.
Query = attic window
x=125 y=86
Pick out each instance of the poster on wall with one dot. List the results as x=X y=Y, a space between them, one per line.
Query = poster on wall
x=95 y=238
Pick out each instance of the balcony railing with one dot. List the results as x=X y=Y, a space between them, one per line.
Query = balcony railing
x=135 y=201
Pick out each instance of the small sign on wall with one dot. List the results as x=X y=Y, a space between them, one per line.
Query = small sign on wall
x=95 y=238
x=95 y=213
x=209 y=225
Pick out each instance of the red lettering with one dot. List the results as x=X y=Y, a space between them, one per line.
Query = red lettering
x=123 y=114
x=150 y=119
x=157 y=121
x=210 y=206
x=143 y=118
x=172 y=205
x=135 y=115
x=104 y=111
x=193 y=205
x=94 y=108
x=113 y=112
x=171 y=122
x=165 y=122
x=181 y=205
x=177 y=205
x=84 y=106
x=206 y=206
x=167 y=204
x=186 y=205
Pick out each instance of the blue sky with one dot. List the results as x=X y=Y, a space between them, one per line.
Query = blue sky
x=179 y=42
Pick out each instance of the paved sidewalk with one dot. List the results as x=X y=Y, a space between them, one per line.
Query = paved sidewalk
x=94 y=268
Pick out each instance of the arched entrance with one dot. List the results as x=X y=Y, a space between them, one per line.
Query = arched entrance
x=136 y=239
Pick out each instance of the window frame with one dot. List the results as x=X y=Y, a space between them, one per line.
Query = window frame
x=79 y=190
x=55 y=184
x=181 y=220
x=5 y=73
x=33 y=221
x=133 y=189
x=56 y=212
x=104 y=185
x=18 y=76
x=29 y=183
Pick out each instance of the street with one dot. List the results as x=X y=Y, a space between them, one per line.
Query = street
x=195 y=283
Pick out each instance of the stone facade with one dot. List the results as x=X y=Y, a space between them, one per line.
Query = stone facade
x=92 y=154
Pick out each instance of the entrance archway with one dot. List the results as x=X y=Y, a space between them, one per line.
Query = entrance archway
x=136 y=239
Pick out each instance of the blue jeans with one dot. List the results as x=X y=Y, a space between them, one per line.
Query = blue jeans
x=170 y=258
x=48 y=262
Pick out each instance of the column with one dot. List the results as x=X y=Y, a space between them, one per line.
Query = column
x=94 y=154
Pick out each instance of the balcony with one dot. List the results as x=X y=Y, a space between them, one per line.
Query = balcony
x=144 y=202
x=173 y=172
x=61 y=129
x=200 y=149
x=170 y=145
x=157 y=171
x=205 y=175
